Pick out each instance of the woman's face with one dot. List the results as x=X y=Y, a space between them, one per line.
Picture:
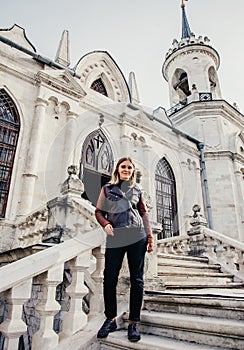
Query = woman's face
x=125 y=170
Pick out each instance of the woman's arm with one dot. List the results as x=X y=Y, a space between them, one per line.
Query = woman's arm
x=101 y=214
x=144 y=214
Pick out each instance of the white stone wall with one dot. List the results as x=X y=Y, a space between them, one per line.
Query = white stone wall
x=58 y=111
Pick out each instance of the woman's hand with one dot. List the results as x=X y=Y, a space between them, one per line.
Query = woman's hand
x=150 y=244
x=109 y=229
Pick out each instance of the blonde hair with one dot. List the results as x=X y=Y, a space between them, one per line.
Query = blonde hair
x=115 y=176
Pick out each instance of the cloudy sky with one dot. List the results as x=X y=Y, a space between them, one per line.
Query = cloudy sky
x=137 y=34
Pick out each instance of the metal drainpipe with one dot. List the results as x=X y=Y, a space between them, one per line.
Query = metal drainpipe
x=205 y=184
x=37 y=57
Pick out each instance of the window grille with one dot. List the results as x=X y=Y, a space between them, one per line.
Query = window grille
x=166 y=200
x=98 y=86
x=96 y=164
x=9 y=131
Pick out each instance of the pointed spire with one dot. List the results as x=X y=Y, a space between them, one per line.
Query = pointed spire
x=133 y=89
x=62 y=56
x=186 y=31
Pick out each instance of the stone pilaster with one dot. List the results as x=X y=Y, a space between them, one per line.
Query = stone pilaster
x=31 y=171
x=69 y=139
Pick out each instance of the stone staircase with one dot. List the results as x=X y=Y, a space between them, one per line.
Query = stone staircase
x=179 y=321
x=202 y=308
x=194 y=295
x=182 y=272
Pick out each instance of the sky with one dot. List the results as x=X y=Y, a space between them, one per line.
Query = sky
x=137 y=34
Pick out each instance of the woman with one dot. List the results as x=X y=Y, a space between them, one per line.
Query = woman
x=122 y=213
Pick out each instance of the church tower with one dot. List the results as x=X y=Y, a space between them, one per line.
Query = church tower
x=198 y=109
x=190 y=67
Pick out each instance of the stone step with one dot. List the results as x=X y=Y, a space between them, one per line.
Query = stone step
x=171 y=285
x=182 y=258
x=182 y=272
x=195 y=275
x=118 y=340
x=227 y=333
x=205 y=304
x=175 y=266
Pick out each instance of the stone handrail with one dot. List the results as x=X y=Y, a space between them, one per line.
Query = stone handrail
x=228 y=252
x=219 y=248
x=48 y=267
x=174 y=245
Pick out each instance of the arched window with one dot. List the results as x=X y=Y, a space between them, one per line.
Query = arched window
x=180 y=85
x=96 y=164
x=166 y=200
x=9 y=132
x=98 y=86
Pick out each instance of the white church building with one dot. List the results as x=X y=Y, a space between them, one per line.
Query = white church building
x=55 y=118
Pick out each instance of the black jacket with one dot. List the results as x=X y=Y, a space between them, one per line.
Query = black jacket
x=122 y=209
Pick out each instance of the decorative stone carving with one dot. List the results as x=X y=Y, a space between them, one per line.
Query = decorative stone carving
x=197 y=239
x=72 y=185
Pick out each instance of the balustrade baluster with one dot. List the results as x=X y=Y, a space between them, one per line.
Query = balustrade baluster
x=186 y=247
x=46 y=338
x=240 y=260
x=229 y=257
x=210 y=246
x=220 y=250
x=13 y=327
x=75 y=319
x=170 y=248
x=96 y=299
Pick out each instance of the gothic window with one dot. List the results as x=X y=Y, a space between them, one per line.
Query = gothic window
x=98 y=86
x=9 y=131
x=166 y=200
x=96 y=164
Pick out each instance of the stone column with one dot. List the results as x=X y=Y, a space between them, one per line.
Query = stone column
x=147 y=167
x=31 y=171
x=69 y=140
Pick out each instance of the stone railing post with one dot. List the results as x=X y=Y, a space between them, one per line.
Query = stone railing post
x=75 y=319
x=46 y=338
x=151 y=266
x=13 y=327
x=96 y=298
x=197 y=246
x=152 y=281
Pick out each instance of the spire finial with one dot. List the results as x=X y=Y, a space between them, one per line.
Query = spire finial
x=186 y=31
x=183 y=3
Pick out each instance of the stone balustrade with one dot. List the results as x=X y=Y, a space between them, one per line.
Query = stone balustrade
x=174 y=245
x=29 y=231
x=47 y=267
x=228 y=252
x=220 y=249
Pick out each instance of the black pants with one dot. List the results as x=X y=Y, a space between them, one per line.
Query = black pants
x=113 y=262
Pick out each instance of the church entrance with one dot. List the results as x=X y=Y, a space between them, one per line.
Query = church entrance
x=96 y=164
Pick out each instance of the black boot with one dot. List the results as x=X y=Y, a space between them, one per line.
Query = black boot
x=133 y=332
x=107 y=327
